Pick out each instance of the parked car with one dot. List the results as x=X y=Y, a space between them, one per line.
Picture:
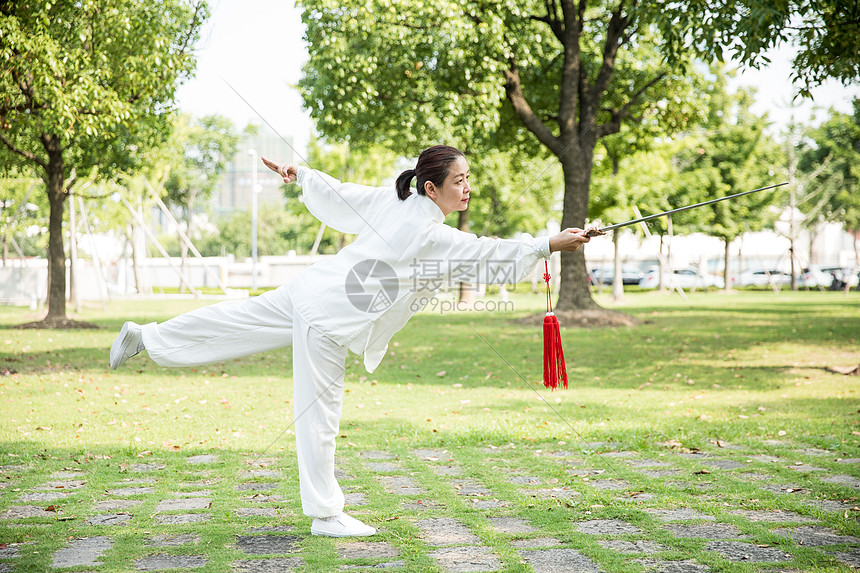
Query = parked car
x=630 y=275
x=761 y=278
x=837 y=277
x=683 y=277
x=814 y=277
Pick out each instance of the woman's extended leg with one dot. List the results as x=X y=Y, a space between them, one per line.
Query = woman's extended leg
x=222 y=331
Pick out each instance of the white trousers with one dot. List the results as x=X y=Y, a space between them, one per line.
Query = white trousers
x=234 y=329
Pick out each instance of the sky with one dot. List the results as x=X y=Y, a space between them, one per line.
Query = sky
x=250 y=55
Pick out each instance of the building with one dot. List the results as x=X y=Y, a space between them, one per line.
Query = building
x=234 y=192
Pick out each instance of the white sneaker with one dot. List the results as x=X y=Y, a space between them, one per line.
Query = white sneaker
x=126 y=345
x=340 y=526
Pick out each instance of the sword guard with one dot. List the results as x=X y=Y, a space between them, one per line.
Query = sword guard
x=594 y=232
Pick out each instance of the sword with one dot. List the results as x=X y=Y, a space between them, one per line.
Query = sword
x=602 y=230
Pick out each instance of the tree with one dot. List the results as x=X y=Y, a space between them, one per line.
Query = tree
x=824 y=31
x=86 y=84
x=567 y=73
x=202 y=148
x=512 y=193
x=279 y=232
x=735 y=154
x=645 y=180
x=835 y=150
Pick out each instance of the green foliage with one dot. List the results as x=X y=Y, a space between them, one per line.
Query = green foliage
x=528 y=77
x=277 y=233
x=198 y=151
x=86 y=85
x=23 y=215
x=824 y=32
x=646 y=180
x=408 y=74
x=835 y=147
x=97 y=77
x=368 y=164
x=733 y=156
x=730 y=154
x=512 y=193
x=403 y=74
x=365 y=164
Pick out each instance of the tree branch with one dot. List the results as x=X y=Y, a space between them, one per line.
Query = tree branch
x=514 y=91
x=614 y=124
x=571 y=74
x=29 y=156
x=195 y=20
x=551 y=19
x=614 y=34
x=569 y=14
x=23 y=108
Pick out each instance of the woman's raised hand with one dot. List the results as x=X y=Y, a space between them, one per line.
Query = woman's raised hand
x=568 y=240
x=288 y=172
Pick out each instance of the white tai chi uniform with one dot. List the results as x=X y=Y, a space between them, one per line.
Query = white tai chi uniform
x=355 y=300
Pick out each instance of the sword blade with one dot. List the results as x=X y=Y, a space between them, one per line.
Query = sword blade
x=686 y=208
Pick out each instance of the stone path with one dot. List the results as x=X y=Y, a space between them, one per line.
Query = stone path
x=452 y=510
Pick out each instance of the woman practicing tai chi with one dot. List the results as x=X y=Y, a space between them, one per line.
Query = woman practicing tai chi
x=355 y=300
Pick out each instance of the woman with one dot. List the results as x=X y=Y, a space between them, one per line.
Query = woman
x=355 y=300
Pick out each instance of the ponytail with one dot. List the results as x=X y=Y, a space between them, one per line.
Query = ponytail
x=404 y=182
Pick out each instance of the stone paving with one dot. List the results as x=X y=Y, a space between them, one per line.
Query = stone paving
x=518 y=508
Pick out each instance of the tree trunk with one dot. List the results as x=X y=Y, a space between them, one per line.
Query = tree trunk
x=855 y=234
x=574 y=293
x=727 y=271
x=74 y=295
x=135 y=257
x=856 y=241
x=183 y=254
x=813 y=234
x=183 y=248
x=56 y=251
x=661 y=270
x=618 y=275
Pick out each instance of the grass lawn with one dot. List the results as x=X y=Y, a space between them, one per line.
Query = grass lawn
x=735 y=375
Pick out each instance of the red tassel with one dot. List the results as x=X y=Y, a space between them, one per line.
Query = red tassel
x=554 y=369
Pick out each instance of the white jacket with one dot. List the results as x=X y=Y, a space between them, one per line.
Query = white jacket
x=403 y=254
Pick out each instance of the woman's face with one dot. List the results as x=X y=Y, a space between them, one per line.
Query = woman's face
x=453 y=195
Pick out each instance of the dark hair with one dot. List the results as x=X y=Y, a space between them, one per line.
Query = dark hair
x=433 y=165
